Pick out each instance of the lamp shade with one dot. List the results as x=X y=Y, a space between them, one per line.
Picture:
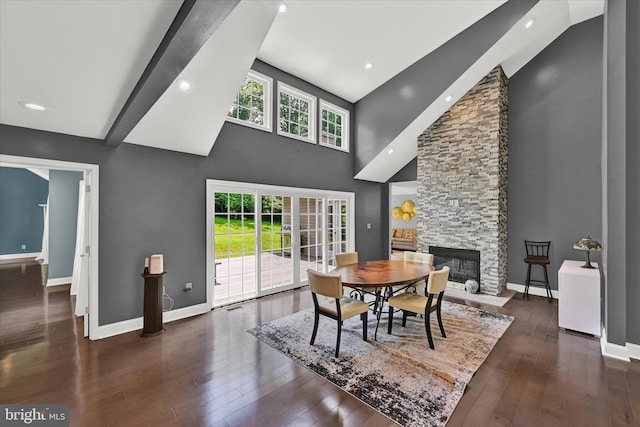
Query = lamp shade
x=587 y=244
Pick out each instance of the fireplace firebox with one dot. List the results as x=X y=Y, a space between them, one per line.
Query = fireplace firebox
x=464 y=263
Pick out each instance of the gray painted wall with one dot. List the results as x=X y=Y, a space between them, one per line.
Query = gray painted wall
x=620 y=175
x=633 y=171
x=385 y=112
x=21 y=219
x=63 y=220
x=554 y=187
x=407 y=173
x=153 y=201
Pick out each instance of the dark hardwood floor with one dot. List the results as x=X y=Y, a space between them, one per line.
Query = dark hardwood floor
x=208 y=371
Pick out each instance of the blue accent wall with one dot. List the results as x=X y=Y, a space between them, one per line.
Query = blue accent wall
x=21 y=219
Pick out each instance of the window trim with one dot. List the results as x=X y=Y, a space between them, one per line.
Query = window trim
x=326 y=105
x=267 y=82
x=291 y=91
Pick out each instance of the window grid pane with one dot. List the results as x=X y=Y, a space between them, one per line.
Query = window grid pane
x=251 y=104
x=333 y=126
x=295 y=114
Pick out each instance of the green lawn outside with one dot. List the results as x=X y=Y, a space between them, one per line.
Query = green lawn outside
x=235 y=237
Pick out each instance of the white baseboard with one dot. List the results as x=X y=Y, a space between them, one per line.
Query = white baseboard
x=105 y=331
x=615 y=351
x=184 y=312
x=117 y=328
x=19 y=256
x=634 y=351
x=533 y=290
x=59 y=281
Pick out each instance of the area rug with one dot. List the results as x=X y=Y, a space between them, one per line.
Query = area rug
x=397 y=375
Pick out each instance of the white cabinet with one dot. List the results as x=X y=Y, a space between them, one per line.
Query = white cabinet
x=579 y=297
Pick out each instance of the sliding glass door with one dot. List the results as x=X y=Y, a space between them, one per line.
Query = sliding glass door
x=235 y=246
x=262 y=239
x=276 y=262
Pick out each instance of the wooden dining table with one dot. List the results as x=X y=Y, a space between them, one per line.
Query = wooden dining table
x=374 y=276
x=384 y=273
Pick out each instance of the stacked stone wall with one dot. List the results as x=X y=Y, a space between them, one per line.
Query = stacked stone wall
x=462 y=179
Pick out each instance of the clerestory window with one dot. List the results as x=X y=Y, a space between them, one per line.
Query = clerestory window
x=252 y=105
x=334 y=126
x=296 y=113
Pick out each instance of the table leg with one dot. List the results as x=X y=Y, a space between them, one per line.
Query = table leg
x=380 y=298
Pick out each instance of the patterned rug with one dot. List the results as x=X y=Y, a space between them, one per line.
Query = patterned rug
x=398 y=375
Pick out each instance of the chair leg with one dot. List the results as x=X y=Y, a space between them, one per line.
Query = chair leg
x=439 y=313
x=338 y=340
x=546 y=284
x=526 y=283
x=404 y=318
x=316 y=319
x=390 y=320
x=364 y=316
x=427 y=326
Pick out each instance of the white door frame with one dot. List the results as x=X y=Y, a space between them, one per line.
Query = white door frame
x=91 y=176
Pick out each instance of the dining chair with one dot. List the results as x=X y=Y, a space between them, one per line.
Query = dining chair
x=334 y=305
x=420 y=285
x=420 y=304
x=346 y=258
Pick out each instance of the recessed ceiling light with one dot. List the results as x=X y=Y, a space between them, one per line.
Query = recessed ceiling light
x=368 y=65
x=33 y=106
x=184 y=85
x=448 y=98
x=529 y=23
x=282 y=8
x=390 y=151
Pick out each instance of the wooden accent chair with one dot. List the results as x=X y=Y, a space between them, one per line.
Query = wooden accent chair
x=420 y=304
x=334 y=305
x=537 y=254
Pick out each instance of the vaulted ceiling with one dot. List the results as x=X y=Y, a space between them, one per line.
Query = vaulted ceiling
x=107 y=69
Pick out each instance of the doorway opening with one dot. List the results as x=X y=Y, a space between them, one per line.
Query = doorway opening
x=403 y=229
x=89 y=246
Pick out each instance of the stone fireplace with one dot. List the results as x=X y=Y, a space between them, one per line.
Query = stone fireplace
x=462 y=180
x=464 y=264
